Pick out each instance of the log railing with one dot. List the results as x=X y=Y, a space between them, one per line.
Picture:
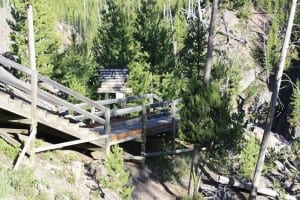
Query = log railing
x=10 y=80
x=98 y=111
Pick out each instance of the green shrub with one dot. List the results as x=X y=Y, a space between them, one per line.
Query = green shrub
x=20 y=183
x=295 y=118
x=10 y=151
x=245 y=11
x=116 y=177
x=6 y=189
x=24 y=182
x=248 y=158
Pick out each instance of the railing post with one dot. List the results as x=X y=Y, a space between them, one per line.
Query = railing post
x=93 y=110
x=144 y=134
x=151 y=102
x=173 y=124
x=107 y=129
x=30 y=143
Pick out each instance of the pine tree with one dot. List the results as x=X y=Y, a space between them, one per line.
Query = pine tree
x=206 y=119
x=46 y=40
x=154 y=35
x=113 y=46
x=192 y=55
x=75 y=69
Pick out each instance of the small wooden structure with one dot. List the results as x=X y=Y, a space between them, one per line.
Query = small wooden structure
x=114 y=81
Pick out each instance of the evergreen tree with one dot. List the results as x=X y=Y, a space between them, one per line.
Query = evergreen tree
x=153 y=34
x=113 y=46
x=75 y=69
x=206 y=119
x=192 y=55
x=46 y=40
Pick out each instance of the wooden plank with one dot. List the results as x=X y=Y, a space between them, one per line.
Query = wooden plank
x=70 y=143
x=115 y=101
x=129 y=133
x=124 y=111
x=25 y=149
x=5 y=136
x=170 y=152
x=110 y=84
x=9 y=79
x=114 y=90
x=144 y=133
x=17 y=121
x=14 y=130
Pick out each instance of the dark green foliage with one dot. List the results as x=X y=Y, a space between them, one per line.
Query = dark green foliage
x=75 y=69
x=295 y=118
x=113 y=46
x=153 y=34
x=46 y=40
x=206 y=118
x=192 y=55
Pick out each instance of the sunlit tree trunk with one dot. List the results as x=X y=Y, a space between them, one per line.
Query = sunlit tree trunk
x=211 y=36
x=264 y=143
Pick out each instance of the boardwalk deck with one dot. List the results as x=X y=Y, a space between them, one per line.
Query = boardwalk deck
x=66 y=118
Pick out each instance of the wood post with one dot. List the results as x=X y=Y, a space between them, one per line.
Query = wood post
x=93 y=111
x=144 y=132
x=107 y=129
x=173 y=125
x=209 y=55
x=33 y=129
x=193 y=180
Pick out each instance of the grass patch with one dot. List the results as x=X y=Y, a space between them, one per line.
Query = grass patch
x=9 y=151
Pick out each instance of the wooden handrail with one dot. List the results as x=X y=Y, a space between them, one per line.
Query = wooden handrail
x=9 y=79
x=120 y=100
x=123 y=111
x=8 y=63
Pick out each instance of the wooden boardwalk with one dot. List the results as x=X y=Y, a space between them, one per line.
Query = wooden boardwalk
x=100 y=123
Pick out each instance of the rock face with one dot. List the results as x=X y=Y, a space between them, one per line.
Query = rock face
x=5 y=30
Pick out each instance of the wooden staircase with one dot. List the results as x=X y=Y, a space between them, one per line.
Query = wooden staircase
x=22 y=108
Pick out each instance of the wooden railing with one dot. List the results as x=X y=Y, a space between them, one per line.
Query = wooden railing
x=10 y=80
x=98 y=111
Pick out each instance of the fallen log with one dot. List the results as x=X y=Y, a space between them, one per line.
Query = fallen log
x=231 y=181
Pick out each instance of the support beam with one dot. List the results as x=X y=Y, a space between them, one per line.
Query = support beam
x=5 y=136
x=33 y=129
x=107 y=129
x=70 y=143
x=144 y=133
x=171 y=152
x=15 y=130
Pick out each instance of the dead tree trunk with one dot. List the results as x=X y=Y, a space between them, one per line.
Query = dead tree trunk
x=211 y=36
x=194 y=173
x=264 y=143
